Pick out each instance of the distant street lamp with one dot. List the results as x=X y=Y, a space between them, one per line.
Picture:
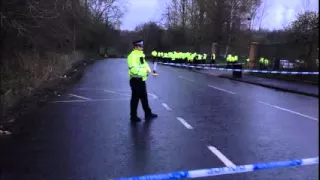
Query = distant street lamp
x=249 y=19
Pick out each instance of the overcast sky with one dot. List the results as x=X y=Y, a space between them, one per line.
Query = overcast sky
x=278 y=12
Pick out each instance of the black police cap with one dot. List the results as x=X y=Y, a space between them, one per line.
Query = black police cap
x=138 y=43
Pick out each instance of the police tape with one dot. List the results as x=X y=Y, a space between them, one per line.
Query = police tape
x=241 y=70
x=220 y=64
x=225 y=170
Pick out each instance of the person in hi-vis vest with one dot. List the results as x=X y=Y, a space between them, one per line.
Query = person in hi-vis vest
x=213 y=58
x=138 y=71
x=155 y=62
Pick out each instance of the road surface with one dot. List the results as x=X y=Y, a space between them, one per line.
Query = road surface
x=204 y=122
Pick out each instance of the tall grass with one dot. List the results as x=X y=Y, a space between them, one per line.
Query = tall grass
x=23 y=73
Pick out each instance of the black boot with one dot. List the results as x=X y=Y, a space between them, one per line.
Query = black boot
x=135 y=119
x=150 y=116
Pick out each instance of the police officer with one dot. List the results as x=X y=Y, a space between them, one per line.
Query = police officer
x=138 y=72
x=229 y=60
x=213 y=58
x=261 y=63
x=155 y=62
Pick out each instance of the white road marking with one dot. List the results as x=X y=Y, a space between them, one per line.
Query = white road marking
x=80 y=97
x=187 y=79
x=222 y=157
x=90 y=89
x=166 y=106
x=188 y=126
x=90 y=100
x=153 y=95
x=293 y=112
x=113 y=92
x=101 y=89
x=221 y=89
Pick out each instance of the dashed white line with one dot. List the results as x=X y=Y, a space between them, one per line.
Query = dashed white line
x=116 y=93
x=221 y=89
x=187 y=79
x=222 y=157
x=153 y=95
x=166 y=106
x=293 y=112
x=188 y=126
x=89 y=100
x=80 y=97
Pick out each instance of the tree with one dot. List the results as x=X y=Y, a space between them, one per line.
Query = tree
x=200 y=22
x=58 y=25
x=306 y=26
x=151 y=33
x=305 y=30
x=261 y=13
x=110 y=11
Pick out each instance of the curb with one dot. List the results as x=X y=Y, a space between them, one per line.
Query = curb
x=273 y=87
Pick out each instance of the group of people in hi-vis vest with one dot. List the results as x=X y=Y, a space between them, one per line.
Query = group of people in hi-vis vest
x=138 y=70
x=183 y=57
x=264 y=63
x=197 y=58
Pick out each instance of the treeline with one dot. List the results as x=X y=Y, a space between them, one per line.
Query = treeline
x=193 y=25
x=40 y=39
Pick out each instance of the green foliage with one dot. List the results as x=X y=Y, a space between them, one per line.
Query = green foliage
x=57 y=26
x=305 y=28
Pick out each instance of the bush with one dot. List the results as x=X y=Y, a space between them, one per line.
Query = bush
x=26 y=72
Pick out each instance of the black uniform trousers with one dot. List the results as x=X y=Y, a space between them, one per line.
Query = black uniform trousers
x=139 y=92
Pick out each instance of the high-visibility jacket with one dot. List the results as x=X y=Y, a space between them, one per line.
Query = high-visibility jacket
x=261 y=60
x=170 y=55
x=173 y=56
x=182 y=55
x=204 y=56
x=193 y=57
x=199 y=57
x=190 y=57
x=213 y=56
x=235 y=58
x=229 y=58
x=138 y=67
x=154 y=53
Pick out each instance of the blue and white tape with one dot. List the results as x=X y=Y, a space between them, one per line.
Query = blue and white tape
x=220 y=64
x=225 y=170
x=242 y=70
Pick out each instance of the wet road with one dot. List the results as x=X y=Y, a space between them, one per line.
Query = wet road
x=86 y=134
